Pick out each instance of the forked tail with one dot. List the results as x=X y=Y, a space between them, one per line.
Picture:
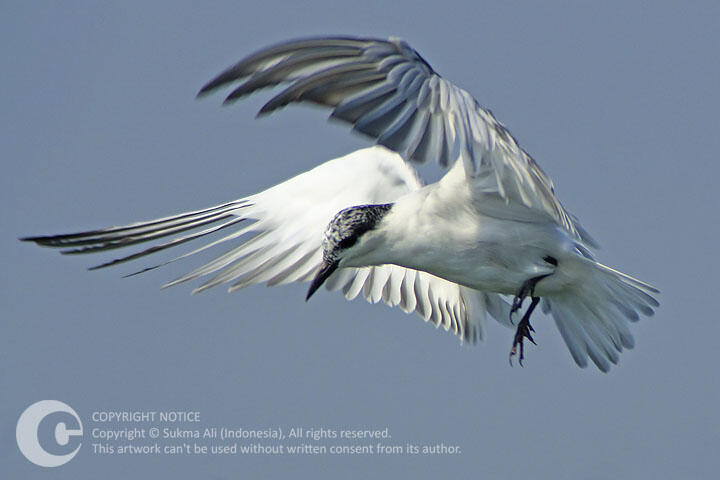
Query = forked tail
x=592 y=316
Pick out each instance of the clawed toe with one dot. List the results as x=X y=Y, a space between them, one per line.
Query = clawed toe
x=524 y=330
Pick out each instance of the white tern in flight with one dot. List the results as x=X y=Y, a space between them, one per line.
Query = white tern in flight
x=453 y=251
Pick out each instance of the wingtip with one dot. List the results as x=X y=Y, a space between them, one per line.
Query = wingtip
x=264 y=111
x=96 y=267
x=604 y=368
x=200 y=289
x=229 y=100
x=200 y=94
x=138 y=272
x=41 y=240
x=228 y=76
x=210 y=86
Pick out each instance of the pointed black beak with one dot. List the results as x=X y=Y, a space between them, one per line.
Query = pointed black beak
x=326 y=269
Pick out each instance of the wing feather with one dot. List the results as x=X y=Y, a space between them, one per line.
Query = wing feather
x=280 y=241
x=386 y=90
x=391 y=70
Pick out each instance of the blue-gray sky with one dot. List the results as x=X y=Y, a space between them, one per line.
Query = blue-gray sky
x=617 y=101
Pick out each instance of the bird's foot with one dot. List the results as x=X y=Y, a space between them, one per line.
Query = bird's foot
x=524 y=330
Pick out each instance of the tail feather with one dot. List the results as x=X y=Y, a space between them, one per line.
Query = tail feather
x=592 y=316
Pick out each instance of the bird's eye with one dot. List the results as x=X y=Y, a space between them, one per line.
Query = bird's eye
x=348 y=241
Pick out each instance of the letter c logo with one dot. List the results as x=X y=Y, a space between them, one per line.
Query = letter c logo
x=48 y=433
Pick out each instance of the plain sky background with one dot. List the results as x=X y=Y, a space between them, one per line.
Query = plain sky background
x=618 y=101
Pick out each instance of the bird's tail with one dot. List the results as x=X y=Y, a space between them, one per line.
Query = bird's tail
x=592 y=316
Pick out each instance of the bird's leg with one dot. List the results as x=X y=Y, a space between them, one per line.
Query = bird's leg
x=525 y=290
x=524 y=328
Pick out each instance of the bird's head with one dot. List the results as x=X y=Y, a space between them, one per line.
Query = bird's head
x=346 y=238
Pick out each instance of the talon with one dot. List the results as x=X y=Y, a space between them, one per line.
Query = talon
x=517 y=304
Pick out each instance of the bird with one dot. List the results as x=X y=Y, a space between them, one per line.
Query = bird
x=486 y=237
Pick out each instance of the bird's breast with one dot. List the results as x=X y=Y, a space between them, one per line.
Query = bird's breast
x=480 y=252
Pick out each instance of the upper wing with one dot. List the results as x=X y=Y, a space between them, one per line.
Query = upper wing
x=288 y=222
x=389 y=92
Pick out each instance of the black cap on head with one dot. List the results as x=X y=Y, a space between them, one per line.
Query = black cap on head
x=342 y=233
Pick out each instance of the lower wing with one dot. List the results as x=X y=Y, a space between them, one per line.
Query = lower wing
x=279 y=242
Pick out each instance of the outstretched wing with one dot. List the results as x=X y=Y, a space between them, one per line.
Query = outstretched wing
x=386 y=90
x=282 y=242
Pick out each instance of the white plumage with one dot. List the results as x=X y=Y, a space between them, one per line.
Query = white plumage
x=449 y=251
